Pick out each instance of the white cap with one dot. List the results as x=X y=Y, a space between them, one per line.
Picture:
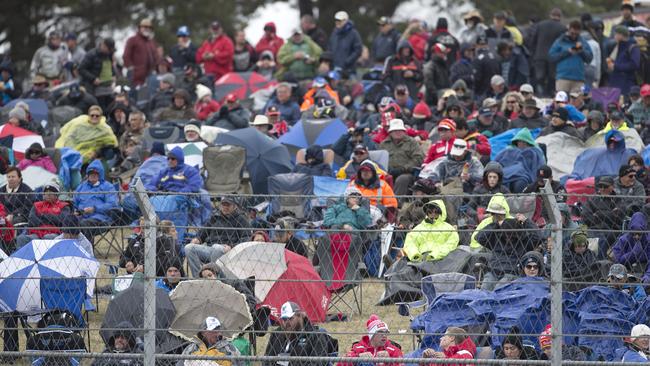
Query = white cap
x=341 y=15
x=561 y=97
x=640 y=330
x=211 y=323
x=489 y=102
x=526 y=88
x=260 y=120
x=288 y=310
x=396 y=125
x=459 y=147
x=497 y=80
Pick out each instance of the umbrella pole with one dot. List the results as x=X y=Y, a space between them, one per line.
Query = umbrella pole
x=149 y=272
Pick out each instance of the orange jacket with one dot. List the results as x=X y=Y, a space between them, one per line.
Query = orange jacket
x=308 y=99
x=384 y=193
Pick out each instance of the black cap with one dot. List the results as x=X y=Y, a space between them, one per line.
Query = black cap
x=562 y=113
x=544 y=172
x=500 y=15
x=635 y=90
x=605 y=182
x=360 y=147
x=616 y=115
x=482 y=39
x=625 y=170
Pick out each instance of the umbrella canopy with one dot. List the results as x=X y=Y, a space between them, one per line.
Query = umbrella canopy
x=18 y=139
x=37 y=108
x=242 y=84
x=128 y=306
x=264 y=156
x=21 y=272
x=305 y=133
x=281 y=275
x=226 y=303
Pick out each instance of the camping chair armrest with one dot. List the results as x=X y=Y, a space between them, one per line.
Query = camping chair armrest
x=404 y=308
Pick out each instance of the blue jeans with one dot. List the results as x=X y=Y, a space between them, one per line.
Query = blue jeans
x=23 y=240
x=200 y=254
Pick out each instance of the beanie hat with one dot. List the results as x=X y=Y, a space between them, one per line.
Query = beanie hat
x=442 y=24
x=421 y=110
x=18 y=113
x=202 y=91
x=375 y=325
x=545 y=339
x=158 y=148
x=448 y=124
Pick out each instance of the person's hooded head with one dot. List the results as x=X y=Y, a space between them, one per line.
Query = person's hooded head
x=95 y=172
x=435 y=211
x=512 y=345
x=174 y=271
x=35 y=151
x=614 y=140
x=492 y=175
x=595 y=120
x=181 y=99
x=123 y=339
x=367 y=175
x=638 y=225
x=531 y=264
x=314 y=155
x=579 y=242
x=176 y=157
x=523 y=139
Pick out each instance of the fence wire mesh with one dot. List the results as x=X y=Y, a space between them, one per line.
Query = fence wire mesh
x=301 y=279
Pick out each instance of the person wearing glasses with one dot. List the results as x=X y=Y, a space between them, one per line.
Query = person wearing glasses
x=177 y=177
x=35 y=156
x=88 y=134
x=629 y=188
x=532 y=265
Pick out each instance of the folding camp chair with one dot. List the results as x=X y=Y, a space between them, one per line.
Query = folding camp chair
x=224 y=164
x=55 y=332
x=290 y=192
x=114 y=236
x=437 y=284
x=340 y=261
x=68 y=294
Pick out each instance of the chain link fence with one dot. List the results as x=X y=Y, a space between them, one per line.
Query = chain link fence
x=114 y=278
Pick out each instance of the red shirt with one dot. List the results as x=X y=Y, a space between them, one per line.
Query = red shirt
x=224 y=51
x=439 y=150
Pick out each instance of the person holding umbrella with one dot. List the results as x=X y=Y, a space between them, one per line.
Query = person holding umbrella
x=209 y=341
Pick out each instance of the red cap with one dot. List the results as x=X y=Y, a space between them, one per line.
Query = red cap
x=645 y=90
x=231 y=98
x=448 y=124
x=421 y=110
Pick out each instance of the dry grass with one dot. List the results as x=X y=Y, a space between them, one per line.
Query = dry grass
x=346 y=332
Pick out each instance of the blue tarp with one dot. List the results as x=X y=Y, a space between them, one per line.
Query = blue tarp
x=502 y=140
x=601 y=161
x=525 y=303
x=646 y=155
x=520 y=166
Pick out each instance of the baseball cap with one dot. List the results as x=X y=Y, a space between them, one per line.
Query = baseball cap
x=489 y=102
x=296 y=30
x=526 y=88
x=625 y=170
x=640 y=330
x=319 y=82
x=459 y=147
x=183 y=31
x=497 y=80
x=605 y=182
x=231 y=98
x=341 y=15
x=617 y=270
x=544 y=172
x=396 y=125
x=481 y=40
x=51 y=188
x=561 y=97
x=616 y=115
x=288 y=310
x=561 y=113
x=485 y=112
x=530 y=103
x=211 y=323
x=383 y=20
x=360 y=147
x=635 y=90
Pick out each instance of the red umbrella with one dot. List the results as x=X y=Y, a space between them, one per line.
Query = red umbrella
x=18 y=139
x=242 y=84
x=280 y=276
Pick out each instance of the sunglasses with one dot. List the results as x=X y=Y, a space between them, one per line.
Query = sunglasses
x=511 y=101
x=526 y=93
x=94 y=116
x=171 y=158
x=631 y=176
x=532 y=266
x=359 y=153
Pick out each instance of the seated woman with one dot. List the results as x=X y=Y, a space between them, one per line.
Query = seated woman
x=348 y=213
x=314 y=163
x=35 y=156
x=512 y=348
x=490 y=185
x=376 y=190
x=532 y=264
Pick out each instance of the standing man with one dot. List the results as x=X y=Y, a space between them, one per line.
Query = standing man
x=570 y=52
x=385 y=43
x=627 y=12
x=141 y=53
x=183 y=52
x=623 y=61
x=49 y=59
x=216 y=53
x=269 y=41
x=75 y=56
x=345 y=43
x=544 y=34
x=316 y=33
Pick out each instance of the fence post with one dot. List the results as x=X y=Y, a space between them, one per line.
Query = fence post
x=556 y=272
x=149 y=271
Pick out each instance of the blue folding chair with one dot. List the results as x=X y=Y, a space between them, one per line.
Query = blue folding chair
x=68 y=294
x=437 y=284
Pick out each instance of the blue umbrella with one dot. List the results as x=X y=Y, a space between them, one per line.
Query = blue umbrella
x=264 y=156
x=37 y=108
x=21 y=272
x=305 y=133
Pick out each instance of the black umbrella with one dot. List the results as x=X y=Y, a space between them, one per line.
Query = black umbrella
x=264 y=156
x=128 y=306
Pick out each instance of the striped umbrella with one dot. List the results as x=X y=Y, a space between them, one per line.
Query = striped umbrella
x=242 y=84
x=21 y=272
